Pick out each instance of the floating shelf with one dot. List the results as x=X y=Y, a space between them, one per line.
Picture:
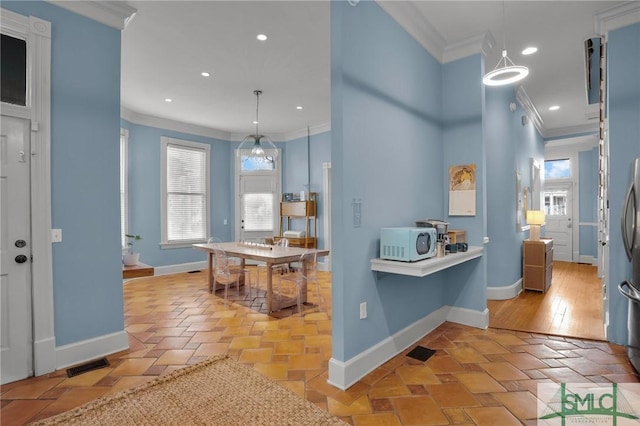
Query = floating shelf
x=425 y=267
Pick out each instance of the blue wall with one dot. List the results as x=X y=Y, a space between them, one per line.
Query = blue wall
x=387 y=150
x=511 y=146
x=144 y=192
x=295 y=172
x=144 y=186
x=623 y=56
x=463 y=143
x=85 y=200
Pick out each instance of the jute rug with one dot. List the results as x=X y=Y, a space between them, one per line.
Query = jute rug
x=218 y=391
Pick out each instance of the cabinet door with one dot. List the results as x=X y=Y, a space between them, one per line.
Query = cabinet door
x=296 y=208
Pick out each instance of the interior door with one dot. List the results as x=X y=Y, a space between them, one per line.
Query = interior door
x=558 y=199
x=15 y=250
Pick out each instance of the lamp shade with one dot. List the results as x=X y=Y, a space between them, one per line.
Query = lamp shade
x=535 y=217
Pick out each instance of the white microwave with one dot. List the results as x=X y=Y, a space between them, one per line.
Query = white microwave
x=407 y=244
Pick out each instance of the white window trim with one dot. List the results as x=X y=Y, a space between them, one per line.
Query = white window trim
x=165 y=142
x=125 y=133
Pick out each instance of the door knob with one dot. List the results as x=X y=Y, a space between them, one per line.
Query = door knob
x=21 y=258
x=20 y=243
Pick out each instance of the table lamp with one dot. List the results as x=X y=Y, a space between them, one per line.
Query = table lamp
x=535 y=218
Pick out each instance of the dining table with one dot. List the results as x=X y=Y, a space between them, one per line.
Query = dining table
x=271 y=255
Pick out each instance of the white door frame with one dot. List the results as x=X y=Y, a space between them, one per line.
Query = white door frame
x=276 y=174
x=326 y=214
x=37 y=34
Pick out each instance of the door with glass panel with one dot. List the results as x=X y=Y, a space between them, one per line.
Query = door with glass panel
x=257 y=195
x=558 y=219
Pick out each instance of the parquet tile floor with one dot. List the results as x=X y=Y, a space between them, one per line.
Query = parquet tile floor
x=481 y=377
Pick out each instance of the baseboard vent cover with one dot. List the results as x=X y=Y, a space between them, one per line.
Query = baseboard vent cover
x=89 y=366
x=421 y=353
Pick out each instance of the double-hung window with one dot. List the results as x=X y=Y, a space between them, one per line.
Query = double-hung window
x=185 y=192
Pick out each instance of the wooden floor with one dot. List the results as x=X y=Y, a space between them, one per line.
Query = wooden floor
x=571 y=307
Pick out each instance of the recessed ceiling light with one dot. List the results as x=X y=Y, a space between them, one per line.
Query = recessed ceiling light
x=529 y=50
x=554 y=108
x=255 y=122
x=299 y=107
x=205 y=74
x=168 y=100
x=261 y=37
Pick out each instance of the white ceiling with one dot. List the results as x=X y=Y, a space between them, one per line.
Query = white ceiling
x=169 y=43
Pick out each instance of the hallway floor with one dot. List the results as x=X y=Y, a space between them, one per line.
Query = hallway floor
x=572 y=306
x=482 y=377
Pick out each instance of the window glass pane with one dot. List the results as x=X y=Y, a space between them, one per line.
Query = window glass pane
x=185 y=170
x=13 y=70
x=555 y=203
x=250 y=164
x=258 y=212
x=186 y=215
x=556 y=169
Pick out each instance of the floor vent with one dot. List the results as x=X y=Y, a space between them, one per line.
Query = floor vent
x=89 y=366
x=193 y=272
x=421 y=353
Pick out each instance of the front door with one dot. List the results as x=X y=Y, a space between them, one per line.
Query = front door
x=15 y=250
x=558 y=200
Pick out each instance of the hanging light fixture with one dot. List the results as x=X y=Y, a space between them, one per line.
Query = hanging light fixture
x=505 y=72
x=258 y=145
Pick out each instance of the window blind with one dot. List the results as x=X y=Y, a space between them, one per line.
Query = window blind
x=186 y=197
x=258 y=212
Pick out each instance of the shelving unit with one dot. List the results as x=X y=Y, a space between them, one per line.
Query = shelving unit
x=425 y=267
x=299 y=210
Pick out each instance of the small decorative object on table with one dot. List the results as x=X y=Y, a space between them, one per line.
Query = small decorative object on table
x=131 y=258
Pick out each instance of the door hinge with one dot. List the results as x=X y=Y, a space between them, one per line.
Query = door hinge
x=31 y=258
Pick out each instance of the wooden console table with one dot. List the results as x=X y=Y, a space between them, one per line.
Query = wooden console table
x=137 y=271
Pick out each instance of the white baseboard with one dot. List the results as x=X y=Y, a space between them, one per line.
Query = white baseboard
x=90 y=349
x=182 y=267
x=470 y=317
x=506 y=292
x=588 y=259
x=344 y=374
x=44 y=356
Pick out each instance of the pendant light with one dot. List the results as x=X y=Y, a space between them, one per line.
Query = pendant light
x=259 y=145
x=505 y=72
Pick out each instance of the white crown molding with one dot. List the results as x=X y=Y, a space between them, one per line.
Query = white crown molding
x=177 y=126
x=578 y=143
x=478 y=44
x=413 y=21
x=617 y=17
x=116 y=14
x=530 y=109
x=313 y=130
x=208 y=132
x=570 y=130
x=275 y=137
